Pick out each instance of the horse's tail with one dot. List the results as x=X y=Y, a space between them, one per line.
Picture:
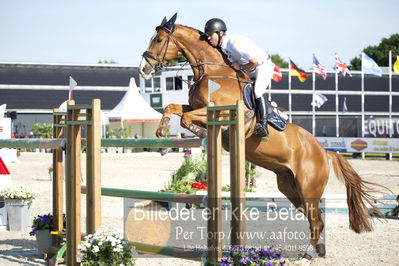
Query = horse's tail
x=358 y=194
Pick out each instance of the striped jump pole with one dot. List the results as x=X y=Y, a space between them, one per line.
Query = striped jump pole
x=32 y=143
x=150 y=195
x=152 y=143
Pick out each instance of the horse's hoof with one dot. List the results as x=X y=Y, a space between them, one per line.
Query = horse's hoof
x=321 y=250
x=164 y=151
x=307 y=256
x=161 y=132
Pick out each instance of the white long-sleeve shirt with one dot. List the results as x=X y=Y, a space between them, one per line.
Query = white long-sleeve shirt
x=241 y=49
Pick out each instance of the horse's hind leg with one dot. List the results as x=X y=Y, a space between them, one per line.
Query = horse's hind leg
x=316 y=225
x=286 y=184
x=308 y=206
x=171 y=109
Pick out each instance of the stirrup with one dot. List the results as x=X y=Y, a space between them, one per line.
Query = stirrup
x=260 y=130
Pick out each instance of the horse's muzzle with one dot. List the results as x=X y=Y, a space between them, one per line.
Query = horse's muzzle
x=145 y=69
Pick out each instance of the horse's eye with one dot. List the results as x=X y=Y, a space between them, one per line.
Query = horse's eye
x=159 y=40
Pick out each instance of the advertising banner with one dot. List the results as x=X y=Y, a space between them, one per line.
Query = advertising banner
x=371 y=145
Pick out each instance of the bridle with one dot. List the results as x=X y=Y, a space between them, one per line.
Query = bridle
x=160 y=62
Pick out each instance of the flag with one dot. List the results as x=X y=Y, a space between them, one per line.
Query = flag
x=319 y=68
x=2 y=110
x=212 y=86
x=318 y=100
x=396 y=65
x=277 y=76
x=370 y=66
x=344 y=107
x=341 y=67
x=72 y=85
x=296 y=71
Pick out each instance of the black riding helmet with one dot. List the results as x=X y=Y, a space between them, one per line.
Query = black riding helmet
x=215 y=25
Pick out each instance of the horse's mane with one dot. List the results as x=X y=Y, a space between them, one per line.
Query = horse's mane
x=191 y=28
x=216 y=50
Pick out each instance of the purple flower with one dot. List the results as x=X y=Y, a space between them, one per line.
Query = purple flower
x=252 y=256
x=225 y=262
x=243 y=260
x=262 y=253
x=43 y=222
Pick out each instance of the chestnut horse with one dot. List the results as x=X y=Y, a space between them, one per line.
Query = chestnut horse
x=294 y=155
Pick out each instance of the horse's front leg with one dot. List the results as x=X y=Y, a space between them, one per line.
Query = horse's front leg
x=171 y=109
x=195 y=121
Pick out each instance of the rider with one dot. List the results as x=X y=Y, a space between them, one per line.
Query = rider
x=247 y=56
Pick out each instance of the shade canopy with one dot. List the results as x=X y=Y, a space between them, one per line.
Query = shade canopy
x=133 y=108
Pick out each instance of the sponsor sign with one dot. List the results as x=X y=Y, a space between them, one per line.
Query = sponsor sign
x=5 y=128
x=381 y=127
x=372 y=145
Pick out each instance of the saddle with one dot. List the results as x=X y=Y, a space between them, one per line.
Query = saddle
x=278 y=118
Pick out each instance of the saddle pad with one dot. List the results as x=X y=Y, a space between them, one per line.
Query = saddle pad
x=276 y=121
x=248 y=97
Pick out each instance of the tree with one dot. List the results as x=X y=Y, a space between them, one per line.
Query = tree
x=177 y=59
x=105 y=61
x=278 y=60
x=379 y=53
x=42 y=130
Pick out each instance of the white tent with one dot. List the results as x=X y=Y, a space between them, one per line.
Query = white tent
x=136 y=112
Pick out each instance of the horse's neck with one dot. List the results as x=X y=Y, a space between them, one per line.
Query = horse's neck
x=200 y=51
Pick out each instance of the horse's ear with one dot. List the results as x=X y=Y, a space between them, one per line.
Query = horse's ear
x=172 y=20
x=162 y=25
x=163 y=21
x=170 y=25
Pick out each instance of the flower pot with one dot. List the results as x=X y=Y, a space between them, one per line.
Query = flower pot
x=18 y=212
x=43 y=241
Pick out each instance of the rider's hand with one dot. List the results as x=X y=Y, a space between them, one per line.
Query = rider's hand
x=236 y=65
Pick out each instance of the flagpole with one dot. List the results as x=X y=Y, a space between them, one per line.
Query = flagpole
x=270 y=90
x=336 y=106
x=361 y=55
x=289 y=91
x=336 y=110
x=390 y=99
x=313 y=106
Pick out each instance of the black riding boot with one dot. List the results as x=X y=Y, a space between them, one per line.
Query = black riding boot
x=262 y=112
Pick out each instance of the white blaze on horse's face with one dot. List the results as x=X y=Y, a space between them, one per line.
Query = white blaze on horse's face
x=144 y=65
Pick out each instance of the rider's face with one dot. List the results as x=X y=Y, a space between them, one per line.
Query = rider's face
x=213 y=39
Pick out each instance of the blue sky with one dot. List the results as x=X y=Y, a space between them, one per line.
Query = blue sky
x=89 y=31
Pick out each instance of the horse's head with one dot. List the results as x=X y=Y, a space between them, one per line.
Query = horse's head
x=162 y=49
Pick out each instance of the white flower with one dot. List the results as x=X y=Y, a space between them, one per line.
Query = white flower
x=17 y=193
x=102 y=241
x=96 y=249
x=82 y=247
